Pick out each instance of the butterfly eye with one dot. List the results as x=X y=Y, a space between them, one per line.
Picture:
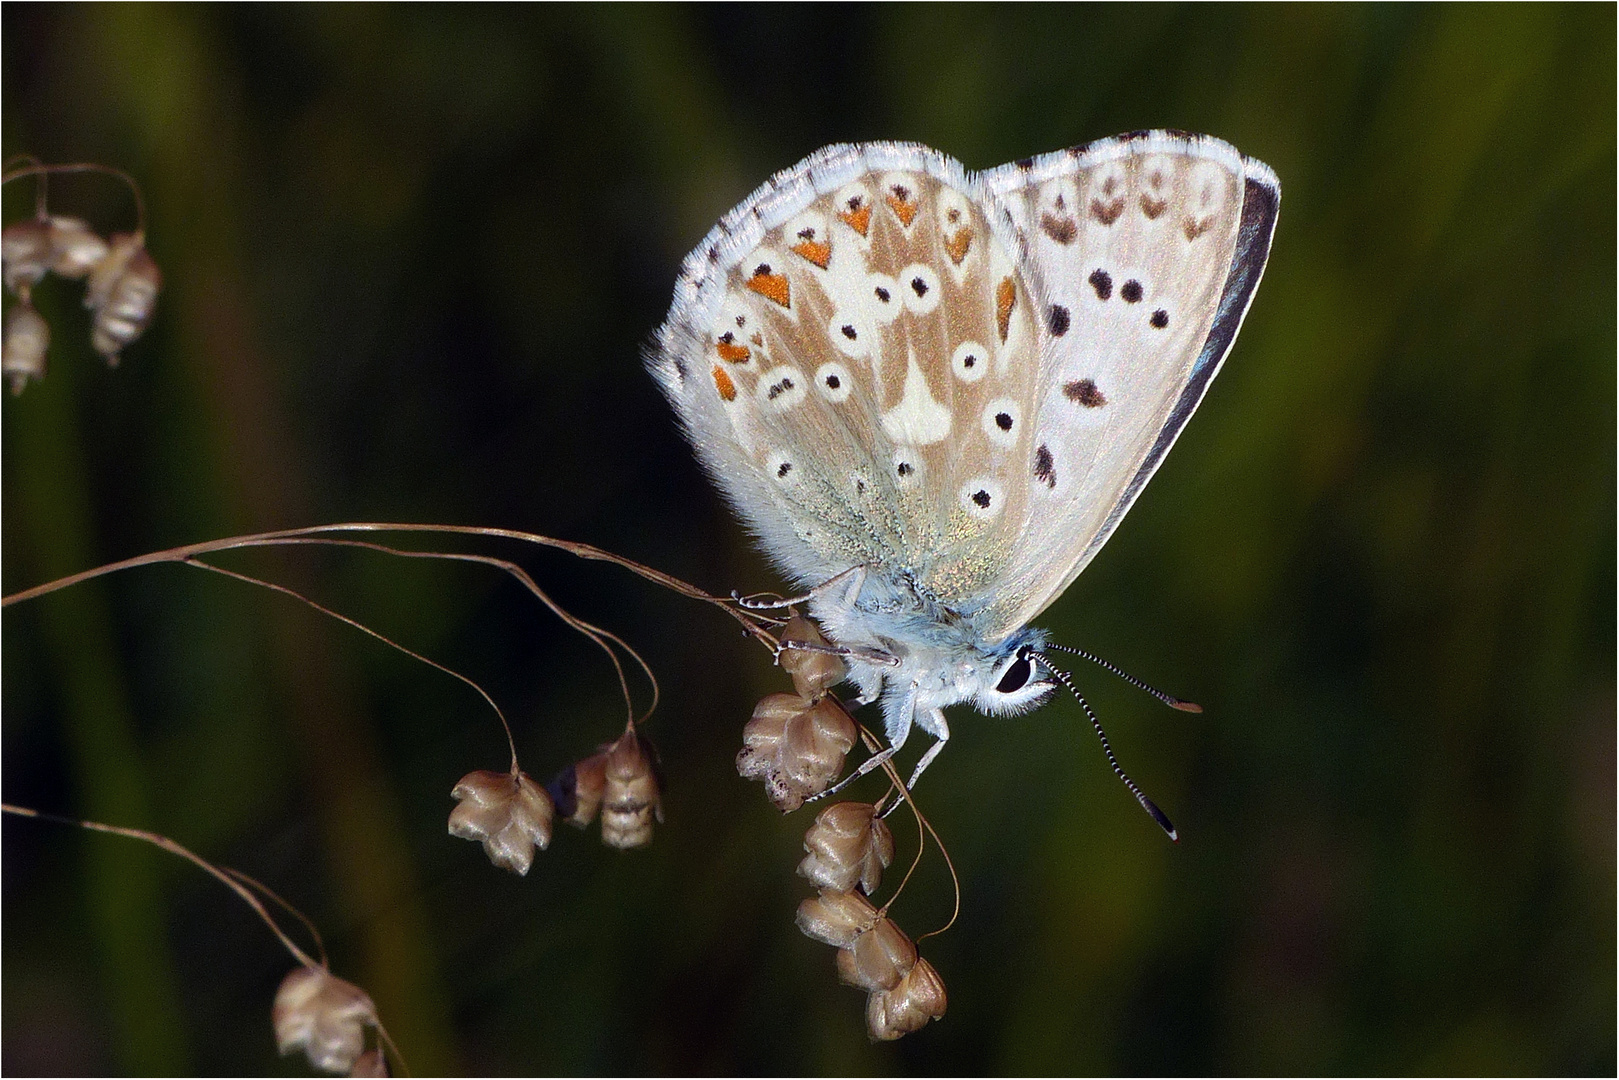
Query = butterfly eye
x=1016 y=677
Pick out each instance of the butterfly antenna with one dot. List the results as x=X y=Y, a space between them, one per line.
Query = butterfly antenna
x=1107 y=748
x=1168 y=699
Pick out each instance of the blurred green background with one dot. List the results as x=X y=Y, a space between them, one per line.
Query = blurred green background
x=412 y=256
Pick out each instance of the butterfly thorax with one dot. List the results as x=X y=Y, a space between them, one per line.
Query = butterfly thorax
x=927 y=656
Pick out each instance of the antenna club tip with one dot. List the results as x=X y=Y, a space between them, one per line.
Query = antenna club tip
x=1158 y=815
x=1186 y=706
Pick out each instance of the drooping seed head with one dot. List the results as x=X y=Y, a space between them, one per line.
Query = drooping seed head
x=510 y=815
x=323 y=1016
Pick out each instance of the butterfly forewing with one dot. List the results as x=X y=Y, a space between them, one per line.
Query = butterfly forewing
x=872 y=359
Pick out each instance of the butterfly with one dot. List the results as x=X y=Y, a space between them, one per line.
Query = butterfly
x=932 y=394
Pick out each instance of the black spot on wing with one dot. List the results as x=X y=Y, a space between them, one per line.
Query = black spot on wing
x=1085 y=392
x=1044 y=468
x=1260 y=203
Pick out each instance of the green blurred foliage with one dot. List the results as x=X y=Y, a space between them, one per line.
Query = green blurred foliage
x=412 y=255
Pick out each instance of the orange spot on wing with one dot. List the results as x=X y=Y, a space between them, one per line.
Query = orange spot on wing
x=772 y=287
x=731 y=353
x=857 y=218
x=1005 y=301
x=723 y=383
x=903 y=210
x=818 y=253
x=956 y=246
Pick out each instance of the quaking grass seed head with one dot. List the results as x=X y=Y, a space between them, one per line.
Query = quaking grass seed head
x=122 y=292
x=25 y=253
x=323 y=1016
x=836 y=918
x=814 y=671
x=510 y=815
x=27 y=339
x=917 y=998
x=632 y=796
x=796 y=746
x=849 y=846
x=75 y=248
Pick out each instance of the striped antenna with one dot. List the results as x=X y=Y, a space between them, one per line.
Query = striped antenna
x=1107 y=748
x=1168 y=699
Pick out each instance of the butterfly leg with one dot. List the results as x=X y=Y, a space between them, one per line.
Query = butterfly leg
x=898 y=728
x=931 y=721
x=848 y=652
x=754 y=603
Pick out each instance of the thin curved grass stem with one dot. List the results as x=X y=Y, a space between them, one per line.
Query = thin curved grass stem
x=873 y=746
x=296 y=595
x=42 y=170
x=752 y=624
x=595 y=633
x=175 y=848
x=388 y=1041
x=265 y=890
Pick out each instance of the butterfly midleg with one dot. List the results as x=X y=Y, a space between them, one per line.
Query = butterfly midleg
x=897 y=729
x=871 y=656
x=930 y=720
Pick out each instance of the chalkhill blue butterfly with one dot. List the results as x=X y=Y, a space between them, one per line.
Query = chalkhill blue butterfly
x=933 y=394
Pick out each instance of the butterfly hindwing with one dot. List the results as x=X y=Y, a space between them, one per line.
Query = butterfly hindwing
x=1145 y=251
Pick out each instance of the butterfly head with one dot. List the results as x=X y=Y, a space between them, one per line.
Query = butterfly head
x=1017 y=683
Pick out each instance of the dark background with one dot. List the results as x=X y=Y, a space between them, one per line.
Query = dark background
x=412 y=254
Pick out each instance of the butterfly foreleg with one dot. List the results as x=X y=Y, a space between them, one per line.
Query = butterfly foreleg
x=855 y=575
x=870 y=682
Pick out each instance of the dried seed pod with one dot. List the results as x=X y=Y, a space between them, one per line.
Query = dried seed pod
x=510 y=815
x=631 y=799
x=323 y=1016
x=813 y=672
x=918 y=998
x=837 y=918
x=370 y=1063
x=75 y=248
x=122 y=292
x=25 y=252
x=848 y=845
x=577 y=790
x=877 y=959
x=797 y=746
x=22 y=355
